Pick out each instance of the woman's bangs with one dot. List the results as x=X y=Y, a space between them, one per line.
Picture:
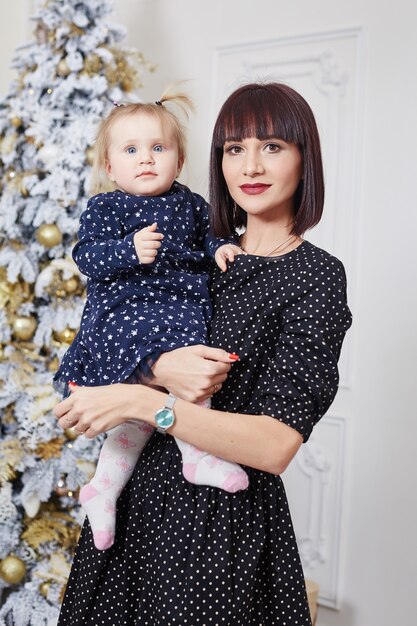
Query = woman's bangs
x=260 y=117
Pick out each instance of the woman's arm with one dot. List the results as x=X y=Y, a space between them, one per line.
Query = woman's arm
x=258 y=441
x=192 y=373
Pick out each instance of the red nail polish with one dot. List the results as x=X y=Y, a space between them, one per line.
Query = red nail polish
x=233 y=356
x=72 y=384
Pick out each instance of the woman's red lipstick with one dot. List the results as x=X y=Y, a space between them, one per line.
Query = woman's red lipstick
x=254 y=189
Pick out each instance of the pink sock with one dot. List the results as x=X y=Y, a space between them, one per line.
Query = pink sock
x=202 y=468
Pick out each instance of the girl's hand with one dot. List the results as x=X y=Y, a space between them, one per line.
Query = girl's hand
x=147 y=243
x=226 y=253
x=193 y=373
x=94 y=410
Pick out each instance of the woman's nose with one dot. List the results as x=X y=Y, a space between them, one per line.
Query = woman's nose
x=253 y=165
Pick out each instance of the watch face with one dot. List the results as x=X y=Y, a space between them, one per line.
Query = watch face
x=164 y=418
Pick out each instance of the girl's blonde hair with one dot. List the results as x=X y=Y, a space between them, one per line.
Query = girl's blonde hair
x=100 y=182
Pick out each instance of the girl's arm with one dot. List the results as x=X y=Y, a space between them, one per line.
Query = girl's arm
x=102 y=251
x=258 y=441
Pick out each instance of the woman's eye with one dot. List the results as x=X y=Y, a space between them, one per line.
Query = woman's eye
x=158 y=148
x=273 y=147
x=131 y=150
x=233 y=149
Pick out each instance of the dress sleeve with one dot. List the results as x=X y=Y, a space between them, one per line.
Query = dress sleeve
x=303 y=374
x=102 y=251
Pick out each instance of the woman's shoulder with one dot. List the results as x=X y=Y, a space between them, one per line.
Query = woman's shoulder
x=318 y=261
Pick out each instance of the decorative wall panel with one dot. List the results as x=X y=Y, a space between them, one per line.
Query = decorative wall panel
x=314 y=483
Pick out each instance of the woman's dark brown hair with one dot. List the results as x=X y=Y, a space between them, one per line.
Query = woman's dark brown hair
x=265 y=110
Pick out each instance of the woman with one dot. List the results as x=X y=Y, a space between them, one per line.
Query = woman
x=189 y=554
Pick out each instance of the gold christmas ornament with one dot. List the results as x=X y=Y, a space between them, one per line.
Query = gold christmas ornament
x=44 y=588
x=8 y=143
x=49 y=235
x=50 y=449
x=53 y=364
x=89 y=155
x=16 y=121
x=23 y=190
x=24 y=327
x=62 y=69
x=65 y=336
x=92 y=64
x=71 y=433
x=127 y=83
x=12 y=570
x=71 y=285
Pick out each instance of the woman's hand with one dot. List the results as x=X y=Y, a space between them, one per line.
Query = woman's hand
x=94 y=410
x=193 y=373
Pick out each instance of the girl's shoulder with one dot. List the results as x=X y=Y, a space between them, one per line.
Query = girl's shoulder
x=195 y=199
x=108 y=197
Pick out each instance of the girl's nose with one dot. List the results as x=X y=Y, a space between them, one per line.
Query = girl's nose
x=145 y=157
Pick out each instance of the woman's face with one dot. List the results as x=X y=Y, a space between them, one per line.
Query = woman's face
x=262 y=175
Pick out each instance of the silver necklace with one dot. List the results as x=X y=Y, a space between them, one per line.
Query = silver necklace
x=278 y=247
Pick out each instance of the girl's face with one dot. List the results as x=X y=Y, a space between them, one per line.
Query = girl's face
x=262 y=175
x=142 y=156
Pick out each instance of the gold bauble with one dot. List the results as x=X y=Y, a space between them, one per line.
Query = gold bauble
x=71 y=433
x=24 y=190
x=16 y=121
x=53 y=365
x=65 y=336
x=49 y=235
x=89 y=155
x=71 y=285
x=127 y=83
x=12 y=569
x=92 y=64
x=44 y=588
x=62 y=69
x=24 y=327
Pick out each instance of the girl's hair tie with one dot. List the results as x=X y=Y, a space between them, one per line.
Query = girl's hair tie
x=158 y=102
x=117 y=104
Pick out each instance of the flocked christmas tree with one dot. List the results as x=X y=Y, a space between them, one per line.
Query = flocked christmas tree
x=67 y=79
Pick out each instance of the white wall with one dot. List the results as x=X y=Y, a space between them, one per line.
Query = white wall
x=376 y=571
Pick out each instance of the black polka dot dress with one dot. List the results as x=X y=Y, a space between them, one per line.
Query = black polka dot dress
x=196 y=555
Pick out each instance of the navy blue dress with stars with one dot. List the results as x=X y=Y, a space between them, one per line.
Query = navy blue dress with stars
x=134 y=312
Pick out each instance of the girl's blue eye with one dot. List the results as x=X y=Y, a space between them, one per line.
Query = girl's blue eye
x=158 y=148
x=131 y=150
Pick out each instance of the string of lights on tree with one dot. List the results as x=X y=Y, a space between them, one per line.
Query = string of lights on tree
x=67 y=79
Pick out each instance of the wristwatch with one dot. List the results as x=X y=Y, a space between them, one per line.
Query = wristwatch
x=165 y=417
